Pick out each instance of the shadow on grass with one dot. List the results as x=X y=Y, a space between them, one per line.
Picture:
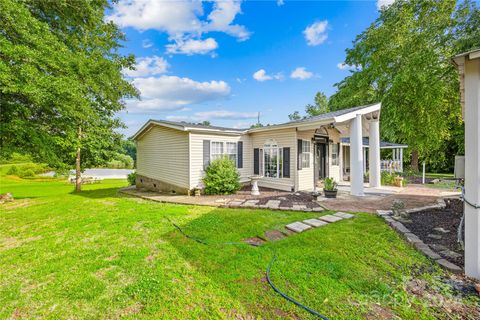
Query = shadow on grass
x=98 y=193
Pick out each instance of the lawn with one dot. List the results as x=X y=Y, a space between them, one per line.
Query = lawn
x=99 y=254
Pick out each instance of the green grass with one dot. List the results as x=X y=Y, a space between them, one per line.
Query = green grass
x=98 y=254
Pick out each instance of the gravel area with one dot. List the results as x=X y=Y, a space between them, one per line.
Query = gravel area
x=438 y=229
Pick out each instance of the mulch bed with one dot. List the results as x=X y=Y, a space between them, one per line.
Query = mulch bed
x=424 y=222
x=290 y=199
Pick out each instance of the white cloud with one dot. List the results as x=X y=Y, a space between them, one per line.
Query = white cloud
x=280 y=3
x=301 y=73
x=384 y=3
x=181 y=20
x=316 y=33
x=168 y=93
x=214 y=114
x=146 y=43
x=261 y=75
x=147 y=66
x=191 y=46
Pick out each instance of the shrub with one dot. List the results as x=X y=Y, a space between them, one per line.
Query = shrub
x=13 y=171
x=29 y=173
x=329 y=184
x=132 y=178
x=221 y=177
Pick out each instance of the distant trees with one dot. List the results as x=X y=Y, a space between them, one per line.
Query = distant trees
x=61 y=82
x=403 y=60
x=320 y=106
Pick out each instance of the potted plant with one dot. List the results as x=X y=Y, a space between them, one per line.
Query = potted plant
x=330 y=188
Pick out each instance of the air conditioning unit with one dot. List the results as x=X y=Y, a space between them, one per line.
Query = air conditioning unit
x=459 y=167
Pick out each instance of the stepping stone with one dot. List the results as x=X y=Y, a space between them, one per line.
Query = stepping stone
x=330 y=218
x=318 y=209
x=273 y=204
x=282 y=198
x=255 y=241
x=315 y=222
x=434 y=236
x=250 y=203
x=441 y=230
x=298 y=227
x=384 y=212
x=449 y=266
x=235 y=203
x=274 y=235
x=344 y=215
x=299 y=207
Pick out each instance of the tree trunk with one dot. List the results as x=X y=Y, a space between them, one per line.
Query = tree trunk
x=414 y=161
x=78 y=172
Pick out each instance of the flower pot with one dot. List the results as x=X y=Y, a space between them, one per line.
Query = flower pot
x=398 y=181
x=330 y=193
x=315 y=195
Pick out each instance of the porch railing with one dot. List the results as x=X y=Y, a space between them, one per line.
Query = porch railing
x=391 y=165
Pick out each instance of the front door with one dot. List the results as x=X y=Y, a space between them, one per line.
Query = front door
x=321 y=159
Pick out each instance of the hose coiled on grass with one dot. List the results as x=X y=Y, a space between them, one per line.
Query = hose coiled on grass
x=267 y=272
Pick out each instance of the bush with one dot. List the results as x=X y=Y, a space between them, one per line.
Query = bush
x=27 y=170
x=28 y=173
x=121 y=161
x=13 y=171
x=132 y=178
x=329 y=184
x=221 y=177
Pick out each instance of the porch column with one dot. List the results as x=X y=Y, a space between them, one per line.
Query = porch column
x=472 y=167
x=356 y=156
x=374 y=153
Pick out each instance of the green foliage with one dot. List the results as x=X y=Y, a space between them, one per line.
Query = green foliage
x=329 y=184
x=13 y=171
x=120 y=161
x=60 y=70
x=403 y=61
x=221 y=177
x=321 y=106
x=16 y=157
x=132 y=178
x=26 y=170
x=129 y=148
x=388 y=178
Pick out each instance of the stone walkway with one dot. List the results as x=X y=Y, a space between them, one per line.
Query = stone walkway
x=301 y=226
x=411 y=196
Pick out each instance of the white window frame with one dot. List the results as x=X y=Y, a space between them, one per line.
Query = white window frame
x=268 y=147
x=336 y=159
x=224 y=150
x=305 y=153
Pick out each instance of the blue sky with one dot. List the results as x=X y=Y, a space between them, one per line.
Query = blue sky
x=224 y=61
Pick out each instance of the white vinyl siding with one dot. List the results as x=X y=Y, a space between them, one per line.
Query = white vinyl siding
x=305 y=176
x=162 y=154
x=196 y=154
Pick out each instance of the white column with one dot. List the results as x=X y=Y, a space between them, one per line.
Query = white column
x=401 y=159
x=356 y=156
x=374 y=153
x=472 y=167
x=364 y=158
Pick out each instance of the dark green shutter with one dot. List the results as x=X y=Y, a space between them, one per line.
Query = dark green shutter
x=299 y=152
x=206 y=153
x=286 y=162
x=256 y=161
x=240 y=154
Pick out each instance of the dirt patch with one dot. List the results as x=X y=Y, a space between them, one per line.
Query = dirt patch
x=274 y=235
x=438 y=229
x=254 y=241
x=380 y=312
x=131 y=310
x=22 y=203
x=20 y=313
x=10 y=243
x=111 y=258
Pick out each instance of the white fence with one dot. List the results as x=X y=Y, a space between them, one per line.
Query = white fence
x=391 y=165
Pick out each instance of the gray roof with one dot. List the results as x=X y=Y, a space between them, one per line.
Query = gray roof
x=383 y=144
x=196 y=125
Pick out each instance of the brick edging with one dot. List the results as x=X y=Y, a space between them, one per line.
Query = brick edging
x=416 y=241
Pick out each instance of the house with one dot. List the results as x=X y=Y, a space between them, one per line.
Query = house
x=172 y=156
x=468 y=65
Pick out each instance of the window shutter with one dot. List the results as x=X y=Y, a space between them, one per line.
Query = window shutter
x=206 y=154
x=256 y=161
x=240 y=154
x=299 y=153
x=286 y=162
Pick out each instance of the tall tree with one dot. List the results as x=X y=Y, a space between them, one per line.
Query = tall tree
x=61 y=82
x=403 y=60
x=319 y=107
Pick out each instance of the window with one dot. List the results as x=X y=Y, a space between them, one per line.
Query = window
x=273 y=160
x=335 y=161
x=305 y=155
x=219 y=150
x=231 y=151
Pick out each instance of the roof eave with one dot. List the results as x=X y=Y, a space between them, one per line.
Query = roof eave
x=353 y=114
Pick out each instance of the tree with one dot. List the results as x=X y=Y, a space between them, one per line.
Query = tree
x=61 y=82
x=205 y=123
x=404 y=62
x=321 y=106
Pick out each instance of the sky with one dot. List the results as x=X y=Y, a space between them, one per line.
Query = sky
x=225 y=61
